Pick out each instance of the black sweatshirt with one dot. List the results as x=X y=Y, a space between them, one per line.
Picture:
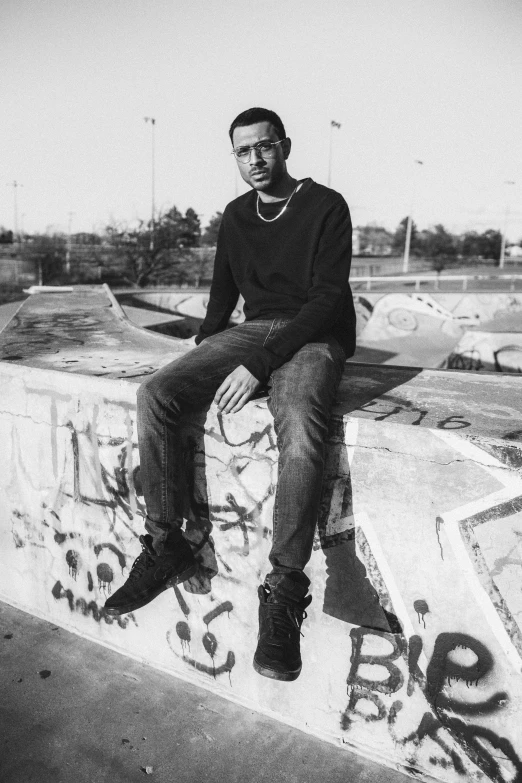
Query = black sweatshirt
x=294 y=267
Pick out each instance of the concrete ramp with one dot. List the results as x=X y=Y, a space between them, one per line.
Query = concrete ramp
x=412 y=651
x=186 y=310
x=452 y=331
x=434 y=330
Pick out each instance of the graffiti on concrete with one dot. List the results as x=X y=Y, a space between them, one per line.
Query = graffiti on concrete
x=89 y=608
x=209 y=641
x=88 y=516
x=389 y=405
x=376 y=652
x=470 y=332
x=487 y=352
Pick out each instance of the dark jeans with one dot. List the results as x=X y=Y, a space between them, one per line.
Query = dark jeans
x=301 y=395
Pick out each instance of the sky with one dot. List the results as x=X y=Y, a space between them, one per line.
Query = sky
x=432 y=80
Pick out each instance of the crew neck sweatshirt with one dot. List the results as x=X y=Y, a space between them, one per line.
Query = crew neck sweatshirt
x=295 y=267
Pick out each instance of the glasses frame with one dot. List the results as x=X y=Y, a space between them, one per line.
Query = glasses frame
x=253 y=147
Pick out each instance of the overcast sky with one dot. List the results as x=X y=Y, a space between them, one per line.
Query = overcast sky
x=434 y=80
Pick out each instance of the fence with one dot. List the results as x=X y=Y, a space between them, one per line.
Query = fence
x=434 y=280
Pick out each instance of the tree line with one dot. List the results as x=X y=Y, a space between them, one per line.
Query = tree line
x=175 y=250
x=436 y=244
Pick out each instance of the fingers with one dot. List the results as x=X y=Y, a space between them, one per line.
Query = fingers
x=241 y=402
x=230 y=397
x=221 y=391
x=235 y=391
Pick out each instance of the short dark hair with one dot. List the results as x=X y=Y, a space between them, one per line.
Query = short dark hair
x=257 y=114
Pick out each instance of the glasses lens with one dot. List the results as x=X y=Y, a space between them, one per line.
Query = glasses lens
x=266 y=149
x=242 y=154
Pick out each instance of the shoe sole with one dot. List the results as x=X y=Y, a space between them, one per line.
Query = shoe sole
x=275 y=675
x=174 y=580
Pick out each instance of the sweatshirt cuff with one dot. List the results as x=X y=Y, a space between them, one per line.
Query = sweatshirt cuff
x=261 y=364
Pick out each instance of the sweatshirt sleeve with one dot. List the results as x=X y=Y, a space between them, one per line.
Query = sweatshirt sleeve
x=224 y=293
x=326 y=296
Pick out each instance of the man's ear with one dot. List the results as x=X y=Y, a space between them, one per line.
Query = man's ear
x=287 y=146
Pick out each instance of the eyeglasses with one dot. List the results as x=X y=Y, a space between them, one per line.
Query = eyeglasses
x=266 y=149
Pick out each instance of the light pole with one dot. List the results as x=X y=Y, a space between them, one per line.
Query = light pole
x=68 y=249
x=504 y=233
x=153 y=123
x=333 y=124
x=15 y=185
x=406 y=258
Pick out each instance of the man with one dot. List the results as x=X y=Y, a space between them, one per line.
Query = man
x=286 y=247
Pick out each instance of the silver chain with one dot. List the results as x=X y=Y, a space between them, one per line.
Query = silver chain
x=271 y=220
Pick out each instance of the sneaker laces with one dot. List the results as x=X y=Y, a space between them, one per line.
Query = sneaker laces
x=144 y=561
x=284 y=619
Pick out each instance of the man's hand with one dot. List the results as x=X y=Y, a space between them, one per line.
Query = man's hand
x=236 y=390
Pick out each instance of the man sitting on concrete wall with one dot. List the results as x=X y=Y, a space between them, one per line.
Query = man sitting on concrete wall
x=285 y=246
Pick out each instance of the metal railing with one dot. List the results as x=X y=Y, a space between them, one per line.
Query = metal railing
x=435 y=279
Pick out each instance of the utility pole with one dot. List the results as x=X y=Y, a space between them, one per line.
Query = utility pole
x=153 y=123
x=22 y=231
x=504 y=233
x=406 y=258
x=333 y=124
x=68 y=249
x=15 y=185
x=16 y=236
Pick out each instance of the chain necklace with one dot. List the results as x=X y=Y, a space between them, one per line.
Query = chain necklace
x=271 y=220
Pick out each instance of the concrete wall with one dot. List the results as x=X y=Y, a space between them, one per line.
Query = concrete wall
x=412 y=648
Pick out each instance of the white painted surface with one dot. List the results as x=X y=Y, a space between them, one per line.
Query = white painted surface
x=69 y=509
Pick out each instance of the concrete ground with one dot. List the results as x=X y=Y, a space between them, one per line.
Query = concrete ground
x=72 y=711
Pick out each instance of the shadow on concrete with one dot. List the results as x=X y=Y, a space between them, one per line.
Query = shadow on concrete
x=364 y=383
x=349 y=595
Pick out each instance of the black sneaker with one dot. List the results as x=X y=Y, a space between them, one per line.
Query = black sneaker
x=281 y=614
x=150 y=575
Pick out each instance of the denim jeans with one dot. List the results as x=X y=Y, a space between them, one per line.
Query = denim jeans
x=301 y=395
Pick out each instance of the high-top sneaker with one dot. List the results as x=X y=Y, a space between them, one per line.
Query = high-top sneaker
x=150 y=575
x=282 y=609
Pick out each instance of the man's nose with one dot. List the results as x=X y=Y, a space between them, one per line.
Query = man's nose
x=255 y=156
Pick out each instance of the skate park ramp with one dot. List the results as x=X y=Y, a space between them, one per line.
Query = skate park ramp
x=181 y=312
x=412 y=648
x=462 y=331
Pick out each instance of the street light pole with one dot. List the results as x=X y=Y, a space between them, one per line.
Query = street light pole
x=333 y=124
x=504 y=233
x=406 y=258
x=15 y=185
x=153 y=123
x=68 y=249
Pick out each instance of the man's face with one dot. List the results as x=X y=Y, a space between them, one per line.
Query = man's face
x=261 y=173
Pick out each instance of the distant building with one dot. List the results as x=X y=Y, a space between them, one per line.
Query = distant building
x=372 y=240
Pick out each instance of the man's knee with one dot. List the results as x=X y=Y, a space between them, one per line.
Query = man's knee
x=298 y=423
x=150 y=392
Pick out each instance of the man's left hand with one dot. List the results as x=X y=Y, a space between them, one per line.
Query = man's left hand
x=236 y=390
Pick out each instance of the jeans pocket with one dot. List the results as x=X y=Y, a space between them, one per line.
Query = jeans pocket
x=276 y=326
